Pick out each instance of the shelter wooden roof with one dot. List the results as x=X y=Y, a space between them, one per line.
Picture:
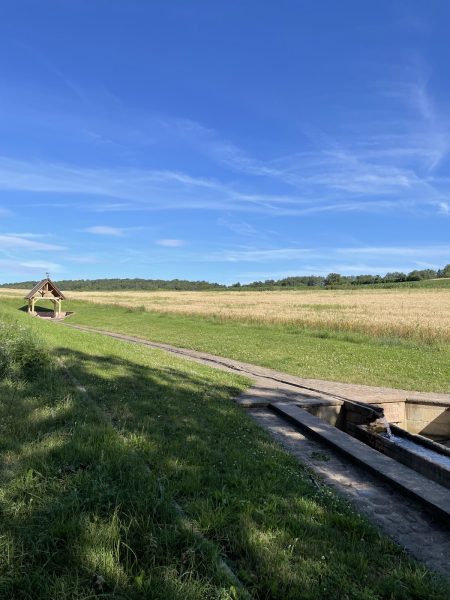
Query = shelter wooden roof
x=44 y=287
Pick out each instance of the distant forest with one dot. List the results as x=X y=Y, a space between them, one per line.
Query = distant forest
x=332 y=280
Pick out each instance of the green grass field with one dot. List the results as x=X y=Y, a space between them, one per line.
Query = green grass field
x=155 y=476
x=320 y=353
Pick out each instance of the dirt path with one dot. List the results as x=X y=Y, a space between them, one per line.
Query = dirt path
x=402 y=519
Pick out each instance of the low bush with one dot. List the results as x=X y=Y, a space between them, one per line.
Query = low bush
x=22 y=353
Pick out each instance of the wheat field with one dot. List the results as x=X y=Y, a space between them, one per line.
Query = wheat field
x=417 y=314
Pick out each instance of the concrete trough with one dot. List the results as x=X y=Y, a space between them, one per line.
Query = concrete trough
x=369 y=422
x=429 y=419
x=426 y=463
x=434 y=497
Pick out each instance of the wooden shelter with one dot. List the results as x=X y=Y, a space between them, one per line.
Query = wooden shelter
x=45 y=290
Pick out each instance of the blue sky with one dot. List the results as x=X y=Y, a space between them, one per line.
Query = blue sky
x=223 y=140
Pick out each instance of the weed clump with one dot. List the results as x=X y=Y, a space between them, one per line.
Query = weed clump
x=136 y=309
x=22 y=353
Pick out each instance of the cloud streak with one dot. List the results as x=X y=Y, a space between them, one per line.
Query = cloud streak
x=27 y=268
x=384 y=164
x=11 y=242
x=170 y=243
x=418 y=254
x=106 y=230
x=169 y=190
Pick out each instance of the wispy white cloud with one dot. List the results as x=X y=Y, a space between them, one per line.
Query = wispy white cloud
x=10 y=242
x=368 y=168
x=427 y=130
x=30 y=235
x=144 y=189
x=157 y=189
x=110 y=207
x=388 y=156
x=279 y=254
x=170 y=243
x=87 y=259
x=337 y=183
x=106 y=230
x=42 y=265
x=12 y=268
x=418 y=252
x=223 y=151
x=418 y=255
x=42 y=59
x=444 y=208
x=385 y=166
x=242 y=228
x=239 y=227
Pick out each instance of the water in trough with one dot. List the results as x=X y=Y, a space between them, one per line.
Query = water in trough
x=420 y=450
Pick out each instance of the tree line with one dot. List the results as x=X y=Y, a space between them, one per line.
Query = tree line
x=332 y=279
x=116 y=284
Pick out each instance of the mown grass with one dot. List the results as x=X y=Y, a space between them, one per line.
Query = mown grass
x=313 y=353
x=91 y=484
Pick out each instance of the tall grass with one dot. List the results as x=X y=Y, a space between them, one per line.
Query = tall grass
x=22 y=353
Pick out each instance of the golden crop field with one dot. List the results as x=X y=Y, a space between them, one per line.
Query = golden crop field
x=421 y=314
